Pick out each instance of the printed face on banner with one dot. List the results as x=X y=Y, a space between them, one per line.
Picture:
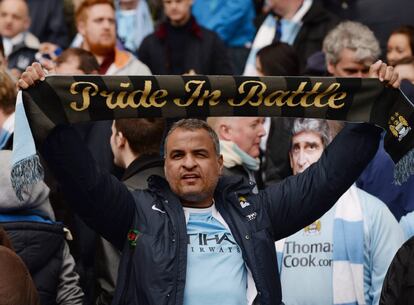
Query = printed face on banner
x=307 y=148
x=192 y=167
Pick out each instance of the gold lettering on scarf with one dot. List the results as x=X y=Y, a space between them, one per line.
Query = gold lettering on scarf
x=86 y=94
x=256 y=93
x=119 y=99
x=198 y=94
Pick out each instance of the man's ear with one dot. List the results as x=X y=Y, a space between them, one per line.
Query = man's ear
x=120 y=140
x=27 y=23
x=331 y=68
x=220 y=162
x=81 y=27
x=224 y=132
x=290 y=160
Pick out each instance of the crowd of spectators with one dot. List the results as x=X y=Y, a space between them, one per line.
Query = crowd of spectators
x=206 y=37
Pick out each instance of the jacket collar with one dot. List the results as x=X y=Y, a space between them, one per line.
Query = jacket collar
x=141 y=163
x=193 y=29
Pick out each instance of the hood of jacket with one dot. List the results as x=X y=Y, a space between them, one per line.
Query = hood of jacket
x=35 y=197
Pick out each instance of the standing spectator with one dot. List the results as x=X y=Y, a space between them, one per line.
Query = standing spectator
x=181 y=46
x=7 y=106
x=136 y=145
x=20 y=46
x=48 y=21
x=233 y=21
x=240 y=145
x=134 y=22
x=344 y=255
x=350 y=48
x=277 y=59
x=400 y=44
x=300 y=23
x=3 y=61
x=95 y=20
x=38 y=239
x=16 y=284
x=381 y=16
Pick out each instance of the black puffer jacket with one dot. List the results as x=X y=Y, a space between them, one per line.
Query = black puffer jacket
x=154 y=260
x=44 y=262
x=398 y=288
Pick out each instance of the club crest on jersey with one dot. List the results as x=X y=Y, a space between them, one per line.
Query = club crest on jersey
x=243 y=202
x=313 y=228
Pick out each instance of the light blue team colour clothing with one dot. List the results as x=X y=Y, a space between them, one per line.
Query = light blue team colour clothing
x=308 y=284
x=232 y=20
x=213 y=260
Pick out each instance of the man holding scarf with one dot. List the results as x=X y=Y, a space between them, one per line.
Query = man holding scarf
x=196 y=237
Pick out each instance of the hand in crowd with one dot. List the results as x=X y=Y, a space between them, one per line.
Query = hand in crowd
x=384 y=73
x=34 y=73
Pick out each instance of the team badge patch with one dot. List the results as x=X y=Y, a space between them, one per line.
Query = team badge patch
x=398 y=126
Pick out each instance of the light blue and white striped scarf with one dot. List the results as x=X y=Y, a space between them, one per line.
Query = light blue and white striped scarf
x=348 y=250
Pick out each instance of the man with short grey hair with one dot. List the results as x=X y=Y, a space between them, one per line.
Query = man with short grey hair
x=350 y=49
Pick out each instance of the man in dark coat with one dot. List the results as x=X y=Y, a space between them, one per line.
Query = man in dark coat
x=196 y=237
x=300 y=23
x=136 y=145
x=181 y=46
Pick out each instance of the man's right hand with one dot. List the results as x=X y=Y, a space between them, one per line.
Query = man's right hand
x=34 y=73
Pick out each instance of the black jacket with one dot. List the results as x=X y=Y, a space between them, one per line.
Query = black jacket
x=398 y=287
x=44 y=263
x=317 y=22
x=202 y=51
x=154 y=271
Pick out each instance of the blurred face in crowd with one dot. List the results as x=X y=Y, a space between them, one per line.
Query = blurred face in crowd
x=128 y=4
x=178 y=11
x=70 y=66
x=98 y=29
x=349 y=66
x=307 y=148
x=398 y=47
x=192 y=166
x=246 y=132
x=14 y=17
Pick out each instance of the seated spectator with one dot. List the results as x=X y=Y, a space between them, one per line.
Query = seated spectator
x=38 y=239
x=181 y=46
x=233 y=22
x=400 y=44
x=20 y=46
x=300 y=23
x=134 y=22
x=48 y=22
x=342 y=257
x=7 y=106
x=16 y=284
x=240 y=145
